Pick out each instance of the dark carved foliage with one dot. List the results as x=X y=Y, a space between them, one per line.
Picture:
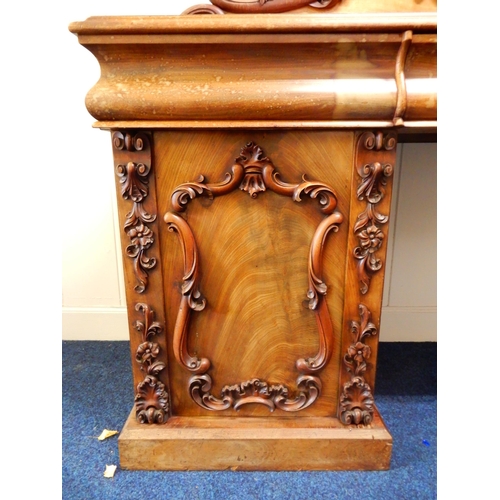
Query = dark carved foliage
x=356 y=400
x=134 y=187
x=255 y=391
x=252 y=160
x=151 y=400
x=371 y=189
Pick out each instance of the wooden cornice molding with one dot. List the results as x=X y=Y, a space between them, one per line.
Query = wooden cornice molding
x=321 y=68
x=418 y=22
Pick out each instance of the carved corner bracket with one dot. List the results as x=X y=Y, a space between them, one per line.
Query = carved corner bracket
x=132 y=154
x=253 y=173
x=151 y=399
x=356 y=400
x=373 y=178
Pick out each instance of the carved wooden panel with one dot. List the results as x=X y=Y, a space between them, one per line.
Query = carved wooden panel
x=151 y=399
x=254 y=173
x=137 y=208
x=372 y=174
x=243 y=300
x=356 y=399
x=132 y=152
x=248 y=273
x=373 y=170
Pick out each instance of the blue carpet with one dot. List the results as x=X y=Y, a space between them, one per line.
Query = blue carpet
x=98 y=394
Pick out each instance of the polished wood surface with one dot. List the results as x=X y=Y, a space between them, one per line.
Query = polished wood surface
x=277 y=68
x=254 y=444
x=254 y=159
x=253 y=258
x=248 y=24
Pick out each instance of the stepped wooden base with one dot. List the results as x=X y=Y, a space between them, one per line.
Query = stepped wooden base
x=185 y=443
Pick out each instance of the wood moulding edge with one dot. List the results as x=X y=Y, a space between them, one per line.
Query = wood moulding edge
x=180 y=445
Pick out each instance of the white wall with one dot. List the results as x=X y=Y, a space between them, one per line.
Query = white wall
x=409 y=310
x=92 y=277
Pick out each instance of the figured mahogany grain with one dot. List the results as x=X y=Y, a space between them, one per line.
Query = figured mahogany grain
x=254 y=261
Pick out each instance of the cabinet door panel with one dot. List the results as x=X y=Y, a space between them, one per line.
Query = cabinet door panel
x=253 y=269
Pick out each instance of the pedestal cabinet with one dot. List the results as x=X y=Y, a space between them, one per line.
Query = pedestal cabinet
x=254 y=157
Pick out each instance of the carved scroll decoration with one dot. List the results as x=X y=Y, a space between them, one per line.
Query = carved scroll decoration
x=133 y=177
x=255 y=391
x=253 y=173
x=202 y=9
x=371 y=189
x=151 y=399
x=268 y=6
x=356 y=400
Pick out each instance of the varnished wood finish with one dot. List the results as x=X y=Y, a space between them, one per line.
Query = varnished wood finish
x=372 y=172
x=266 y=67
x=422 y=22
x=411 y=129
x=152 y=399
x=255 y=444
x=132 y=153
x=254 y=173
x=254 y=157
x=356 y=400
x=402 y=99
x=256 y=273
x=137 y=212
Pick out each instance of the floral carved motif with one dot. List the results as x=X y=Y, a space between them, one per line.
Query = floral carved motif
x=368 y=230
x=255 y=391
x=356 y=400
x=151 y=400
x=269 y=6
x=253 y=173
x=133 y=177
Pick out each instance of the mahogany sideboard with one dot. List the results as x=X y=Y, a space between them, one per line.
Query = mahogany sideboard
x=254 y=157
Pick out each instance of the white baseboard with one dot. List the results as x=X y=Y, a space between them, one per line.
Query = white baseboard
x=399 y=324
x=94 y=323
x=408 y=324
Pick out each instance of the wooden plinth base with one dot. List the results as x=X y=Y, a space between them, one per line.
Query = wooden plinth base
x=213 y=443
